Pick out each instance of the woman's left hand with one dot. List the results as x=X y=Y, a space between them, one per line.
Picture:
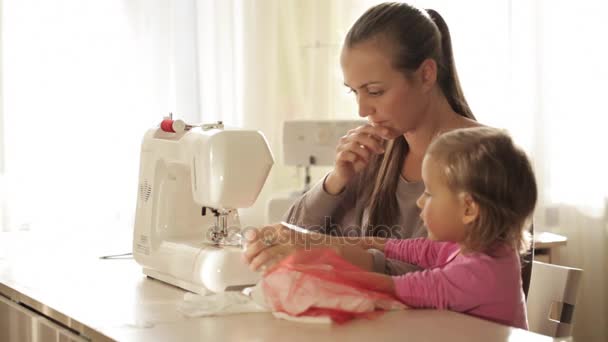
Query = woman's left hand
x=269 y=245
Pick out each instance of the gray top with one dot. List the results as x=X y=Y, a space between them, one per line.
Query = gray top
x=344 y=214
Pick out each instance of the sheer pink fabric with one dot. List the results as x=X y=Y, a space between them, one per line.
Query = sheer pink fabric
x=318 y=282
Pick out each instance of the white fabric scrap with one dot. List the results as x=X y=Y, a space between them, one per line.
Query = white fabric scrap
x=221 y=304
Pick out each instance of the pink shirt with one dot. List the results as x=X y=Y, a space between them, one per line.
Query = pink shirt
x=477 y=284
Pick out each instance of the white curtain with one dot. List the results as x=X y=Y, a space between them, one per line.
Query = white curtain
x=81 y=80
x=570 y=137
x=291 y=72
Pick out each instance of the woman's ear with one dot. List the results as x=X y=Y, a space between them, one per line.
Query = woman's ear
x=470 y=208
x=428 y=73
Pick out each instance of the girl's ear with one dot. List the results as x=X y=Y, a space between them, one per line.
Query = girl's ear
x=470 y=208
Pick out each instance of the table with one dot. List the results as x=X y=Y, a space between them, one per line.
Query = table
x=51 y=290
x=545 y=244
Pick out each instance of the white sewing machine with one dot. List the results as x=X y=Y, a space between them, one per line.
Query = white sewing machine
x=192 y=179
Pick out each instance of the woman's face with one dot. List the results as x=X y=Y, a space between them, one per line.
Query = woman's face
x=384 y=95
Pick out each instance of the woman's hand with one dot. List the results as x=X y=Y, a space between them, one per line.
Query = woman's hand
x=354 y=152
x=271 y=244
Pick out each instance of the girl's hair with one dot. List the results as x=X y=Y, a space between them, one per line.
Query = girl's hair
x=484 y=163
x=413 y=35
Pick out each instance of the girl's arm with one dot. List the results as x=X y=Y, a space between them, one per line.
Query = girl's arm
x=386 y=284
x=421 y=252
x=285 y=240
x=266 y=246
x=355 y=249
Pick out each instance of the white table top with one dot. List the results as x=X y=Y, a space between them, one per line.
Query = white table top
x=113 y=300
x=548 y=240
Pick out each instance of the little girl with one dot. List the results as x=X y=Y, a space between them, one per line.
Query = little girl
x=479 y=193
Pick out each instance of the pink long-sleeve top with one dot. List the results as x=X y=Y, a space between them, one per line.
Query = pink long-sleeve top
x=478 y=284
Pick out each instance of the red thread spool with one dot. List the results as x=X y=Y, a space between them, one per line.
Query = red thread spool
x=167 y=125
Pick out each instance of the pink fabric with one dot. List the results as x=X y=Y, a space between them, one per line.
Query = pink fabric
x=320 y=283
x=477 y=284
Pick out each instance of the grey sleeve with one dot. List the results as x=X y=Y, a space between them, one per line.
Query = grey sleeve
x=390 y=266
x=314 y=208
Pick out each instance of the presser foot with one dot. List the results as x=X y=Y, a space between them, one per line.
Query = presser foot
x=234 y=240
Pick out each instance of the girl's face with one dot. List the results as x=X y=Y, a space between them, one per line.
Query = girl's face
x=443 y=210
x=384 y=95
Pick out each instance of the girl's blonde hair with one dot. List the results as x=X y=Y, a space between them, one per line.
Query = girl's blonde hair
x=484 y=163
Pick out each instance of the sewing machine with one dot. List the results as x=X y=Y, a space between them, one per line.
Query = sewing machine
x=192 y=180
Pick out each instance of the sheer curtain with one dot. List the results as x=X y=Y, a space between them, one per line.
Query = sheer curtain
x=2 y=181
x=81 y=80
x=290 y=72
x=570 y=138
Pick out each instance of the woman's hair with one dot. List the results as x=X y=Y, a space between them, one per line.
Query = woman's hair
x=484 y=163
x=412 y=35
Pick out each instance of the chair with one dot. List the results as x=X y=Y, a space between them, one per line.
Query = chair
x=551 y=299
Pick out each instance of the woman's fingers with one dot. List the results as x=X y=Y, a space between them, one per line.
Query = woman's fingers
x=376 y=132
x=364 y=138
x=270 y=256
x=369 y=142
x=353 y=151
x=261 y=258
x=261 y=244
x=253 y=249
